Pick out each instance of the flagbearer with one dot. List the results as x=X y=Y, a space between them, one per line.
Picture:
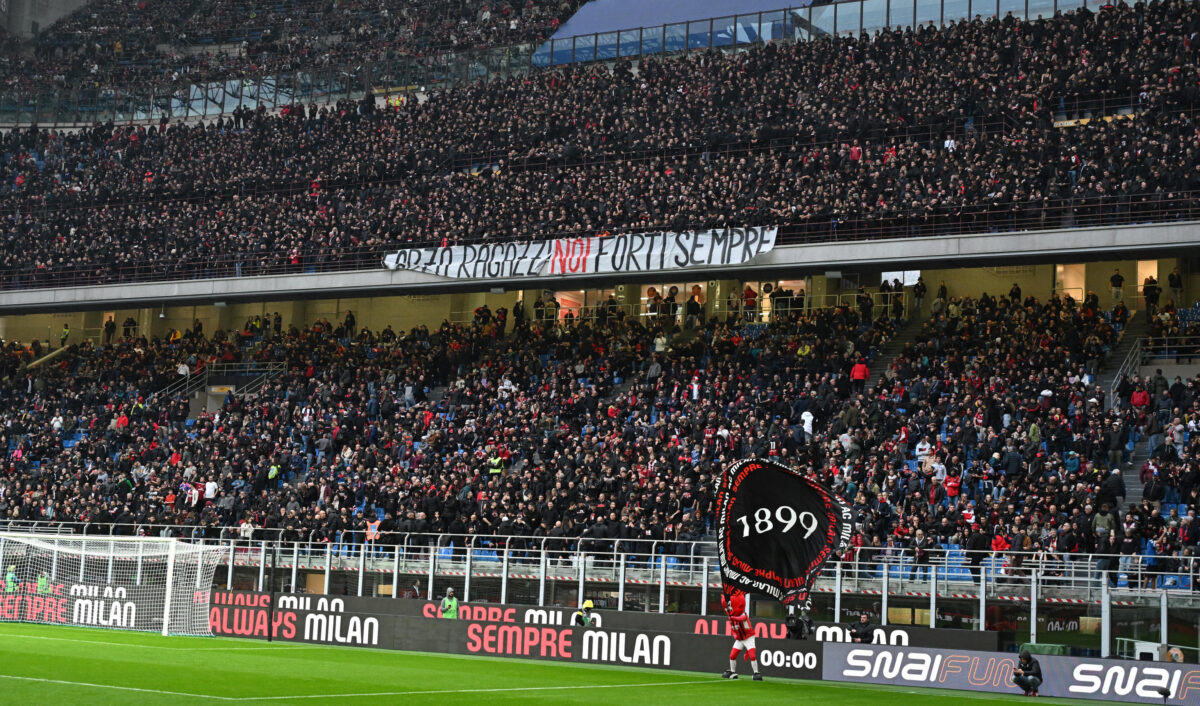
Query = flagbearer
x=734 y=603
x=583 y=617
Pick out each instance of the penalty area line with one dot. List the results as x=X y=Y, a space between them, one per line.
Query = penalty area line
x=89 y=685
x=510 y=689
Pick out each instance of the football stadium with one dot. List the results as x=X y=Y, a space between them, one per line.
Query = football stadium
x=569 y=351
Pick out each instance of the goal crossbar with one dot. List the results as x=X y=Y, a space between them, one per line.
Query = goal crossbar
x=158 y=584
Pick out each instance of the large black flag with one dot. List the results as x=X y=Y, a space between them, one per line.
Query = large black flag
x=776 y=529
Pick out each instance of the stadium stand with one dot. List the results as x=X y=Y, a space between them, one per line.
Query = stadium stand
x=986 y=433
x=893 y=146
x=120 y=44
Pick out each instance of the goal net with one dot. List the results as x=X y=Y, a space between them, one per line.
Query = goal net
x=123 y=583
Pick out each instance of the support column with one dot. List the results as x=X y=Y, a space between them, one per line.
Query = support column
x=983 y=569
x=396 y=572
x=837 y=593
x=662 y=585
x=582 y=576
x=621 y=584
x=504 y=577
x=432 y=571
x=328 y=563
x=262 y=564
x=1105 y=620
x=887 y=588
x=362 y=566
x=1034 y=591
x=933 y=596
x=1163 y=620
x=542 y=579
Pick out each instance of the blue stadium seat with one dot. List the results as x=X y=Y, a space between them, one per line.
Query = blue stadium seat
x=1179 y=582
x=959 y=573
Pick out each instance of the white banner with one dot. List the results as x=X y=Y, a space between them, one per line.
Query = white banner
x=615 y=254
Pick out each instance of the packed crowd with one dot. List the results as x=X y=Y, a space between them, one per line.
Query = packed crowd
x=988 y=432
x=878 y=138
x=1024 y=458
x=528 y=433
x=118 y=44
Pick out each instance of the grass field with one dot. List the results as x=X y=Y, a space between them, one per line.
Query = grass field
x=56 y=665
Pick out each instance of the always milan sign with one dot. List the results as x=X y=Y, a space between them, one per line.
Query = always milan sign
x=617 y=254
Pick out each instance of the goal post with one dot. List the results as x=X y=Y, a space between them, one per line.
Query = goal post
x=151 y=584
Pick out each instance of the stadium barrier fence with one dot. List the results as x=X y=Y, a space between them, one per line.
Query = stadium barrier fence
x=1087 y=600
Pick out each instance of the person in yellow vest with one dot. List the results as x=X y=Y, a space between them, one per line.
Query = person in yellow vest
x=583 y=617
x=373 y=538
x=450 y=604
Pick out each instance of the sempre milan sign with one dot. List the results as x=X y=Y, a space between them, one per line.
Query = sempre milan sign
x=776 y=528
x=615 y=254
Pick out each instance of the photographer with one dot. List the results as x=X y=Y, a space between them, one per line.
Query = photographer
x=1028 y=674
x=800 y=627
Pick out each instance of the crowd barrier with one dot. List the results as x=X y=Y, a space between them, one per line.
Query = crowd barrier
x=902 y=656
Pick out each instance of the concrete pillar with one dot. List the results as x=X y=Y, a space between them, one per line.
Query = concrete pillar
x=818 y=291
x=26 y=16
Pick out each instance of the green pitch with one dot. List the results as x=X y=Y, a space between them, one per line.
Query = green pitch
x=57 y=665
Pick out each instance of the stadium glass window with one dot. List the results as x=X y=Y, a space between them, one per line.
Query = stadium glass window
x=907 y=277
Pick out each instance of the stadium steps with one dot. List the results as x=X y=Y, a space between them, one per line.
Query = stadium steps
x=1132 y=471
x=49 y=357
x=1138 y=328
x=882 y=362
x=197 y=404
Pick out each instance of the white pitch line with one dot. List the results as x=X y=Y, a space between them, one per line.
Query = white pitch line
x=118 y=688
x=481 y=691
x=273 y=646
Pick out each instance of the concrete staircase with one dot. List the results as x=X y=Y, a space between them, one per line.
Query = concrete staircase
x=1133 y=485
x=1138 y=328
x=882 y=362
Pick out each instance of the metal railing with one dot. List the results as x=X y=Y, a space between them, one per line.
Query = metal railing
x=946 y=570
x=980 y=218
x=765 y=310
x=1179 y=348
x=194 y=381
x=1129 y=366
x=358 y=76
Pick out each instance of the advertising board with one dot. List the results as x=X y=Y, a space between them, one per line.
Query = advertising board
x=967 y=670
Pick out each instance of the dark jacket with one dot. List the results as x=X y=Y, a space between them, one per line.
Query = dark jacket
x=1032 y=668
